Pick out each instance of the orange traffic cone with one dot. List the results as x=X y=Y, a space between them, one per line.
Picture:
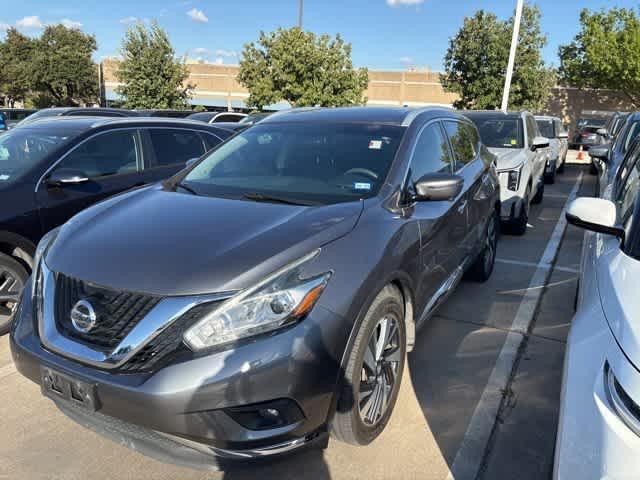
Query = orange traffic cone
x=580 y=154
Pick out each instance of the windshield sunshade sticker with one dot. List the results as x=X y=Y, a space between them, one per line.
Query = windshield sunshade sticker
x=361 y=186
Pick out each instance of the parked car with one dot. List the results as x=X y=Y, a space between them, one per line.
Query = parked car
x=269 y=293
x=615 y=124
x=255 y=117
x=214 y=117
x=522 y=155
x=3 y=123
x=75 y=112
x=551 y=128
x=607 y=158
x=52 y=169
x=589 y=132
x=162 y=112
x=599 y=426
x=15 y=115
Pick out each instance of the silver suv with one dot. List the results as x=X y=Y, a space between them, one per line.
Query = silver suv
x=522 y=158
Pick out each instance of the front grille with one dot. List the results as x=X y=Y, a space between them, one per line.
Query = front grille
x=118 y=312
x=166 y=346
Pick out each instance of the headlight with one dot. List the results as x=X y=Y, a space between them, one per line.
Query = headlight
x=42 y=248
x=513 y=182
x=279 y=300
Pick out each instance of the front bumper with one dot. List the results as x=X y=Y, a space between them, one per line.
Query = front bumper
x=594 y=442
x=511 y=201
x=183 y=407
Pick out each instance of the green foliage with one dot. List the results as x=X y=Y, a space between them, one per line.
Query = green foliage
x=15 y=66
x=477 y=57
x=63 y=68
x=302 y=69
x=605 y=53
x=152 y=77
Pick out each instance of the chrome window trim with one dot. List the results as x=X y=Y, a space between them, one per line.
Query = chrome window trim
x=68 y=152
x=163 y=315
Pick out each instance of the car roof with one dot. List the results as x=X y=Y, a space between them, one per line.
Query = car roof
x=91 y=122
x=492 y=114
x=401 y=116
x=546 y=117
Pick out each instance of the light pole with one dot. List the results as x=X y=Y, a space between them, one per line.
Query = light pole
x=512 y=55
x=300 y=10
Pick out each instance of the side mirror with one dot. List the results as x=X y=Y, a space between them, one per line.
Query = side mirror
x=603 y=132
x=67 y=176
x=539 y=142
x=563 y=135
x=191 y=161
x=601 y=153
x=595 y=214
x=438 y=186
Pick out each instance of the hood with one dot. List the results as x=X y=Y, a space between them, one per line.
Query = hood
x=167 y=243
x=508 y=158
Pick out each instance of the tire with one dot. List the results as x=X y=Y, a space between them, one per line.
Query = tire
x=593 y=170
x=519 y=225
x=349 y=425
x=539 y=194
x=13 y=277
x=560 y=169
x=550 y=178
x=482 y=268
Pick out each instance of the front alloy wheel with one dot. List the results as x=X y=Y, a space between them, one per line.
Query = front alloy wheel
x=13 y=278
x=373 y=371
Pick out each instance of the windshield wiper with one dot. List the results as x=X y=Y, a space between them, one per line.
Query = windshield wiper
x=261 y=197
x=188 y=189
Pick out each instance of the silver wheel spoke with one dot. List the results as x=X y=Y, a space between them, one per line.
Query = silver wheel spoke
x=382 y=339
x=370 y=360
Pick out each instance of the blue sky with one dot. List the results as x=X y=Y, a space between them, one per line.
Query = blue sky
x=385 y=34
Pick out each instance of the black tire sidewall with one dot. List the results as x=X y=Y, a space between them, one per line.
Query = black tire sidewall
x=389 y=304
x=8 y=263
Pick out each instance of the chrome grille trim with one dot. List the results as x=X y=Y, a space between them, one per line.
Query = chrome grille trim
x=159 y=318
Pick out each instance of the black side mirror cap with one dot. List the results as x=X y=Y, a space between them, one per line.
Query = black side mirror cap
x=438 y=187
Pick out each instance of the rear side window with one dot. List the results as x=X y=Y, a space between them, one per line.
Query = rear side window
x=632 y=133
x=173 y=147
x=431 y=155
x=107 y=154
x=228 y=118
x=464 y=141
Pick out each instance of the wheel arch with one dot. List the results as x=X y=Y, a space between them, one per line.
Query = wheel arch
x=17 y=247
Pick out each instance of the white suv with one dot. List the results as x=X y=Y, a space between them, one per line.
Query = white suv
x=522 y=156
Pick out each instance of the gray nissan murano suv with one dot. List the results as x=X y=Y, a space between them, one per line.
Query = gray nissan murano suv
x=267 y=295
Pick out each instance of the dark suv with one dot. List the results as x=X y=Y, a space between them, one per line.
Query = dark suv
x=266 y=294
x=52 y=169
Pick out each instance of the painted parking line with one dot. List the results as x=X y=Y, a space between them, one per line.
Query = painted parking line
x=468 y=460
x=536 y=265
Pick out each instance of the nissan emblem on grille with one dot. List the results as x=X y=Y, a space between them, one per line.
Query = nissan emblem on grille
x=83 y=316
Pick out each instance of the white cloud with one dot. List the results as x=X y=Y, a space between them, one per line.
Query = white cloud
x=4 y=27
x=201 y=51
x=406 y=60
x=399 y=3
x=128 y=20
x=70 y=23
x=197 y=16
x=226 y=53
x=30 y=22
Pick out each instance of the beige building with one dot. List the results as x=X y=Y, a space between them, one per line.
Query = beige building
x=216 y=86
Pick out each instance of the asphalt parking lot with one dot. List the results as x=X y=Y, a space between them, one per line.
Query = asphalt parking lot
x=463 y=411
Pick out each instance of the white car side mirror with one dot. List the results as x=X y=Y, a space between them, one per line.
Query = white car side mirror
x=595 y=214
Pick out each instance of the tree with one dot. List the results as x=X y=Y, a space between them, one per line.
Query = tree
x=62 y=66
x=16 y=69
x=477 y=57
x=605 y=53
x=152 y=77
x=302 y=69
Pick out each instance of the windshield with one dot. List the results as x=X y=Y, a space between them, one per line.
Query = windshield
x=546 y=128
x=500 y=132
x=21 y=149
x=318 y=163
x=254 y=117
